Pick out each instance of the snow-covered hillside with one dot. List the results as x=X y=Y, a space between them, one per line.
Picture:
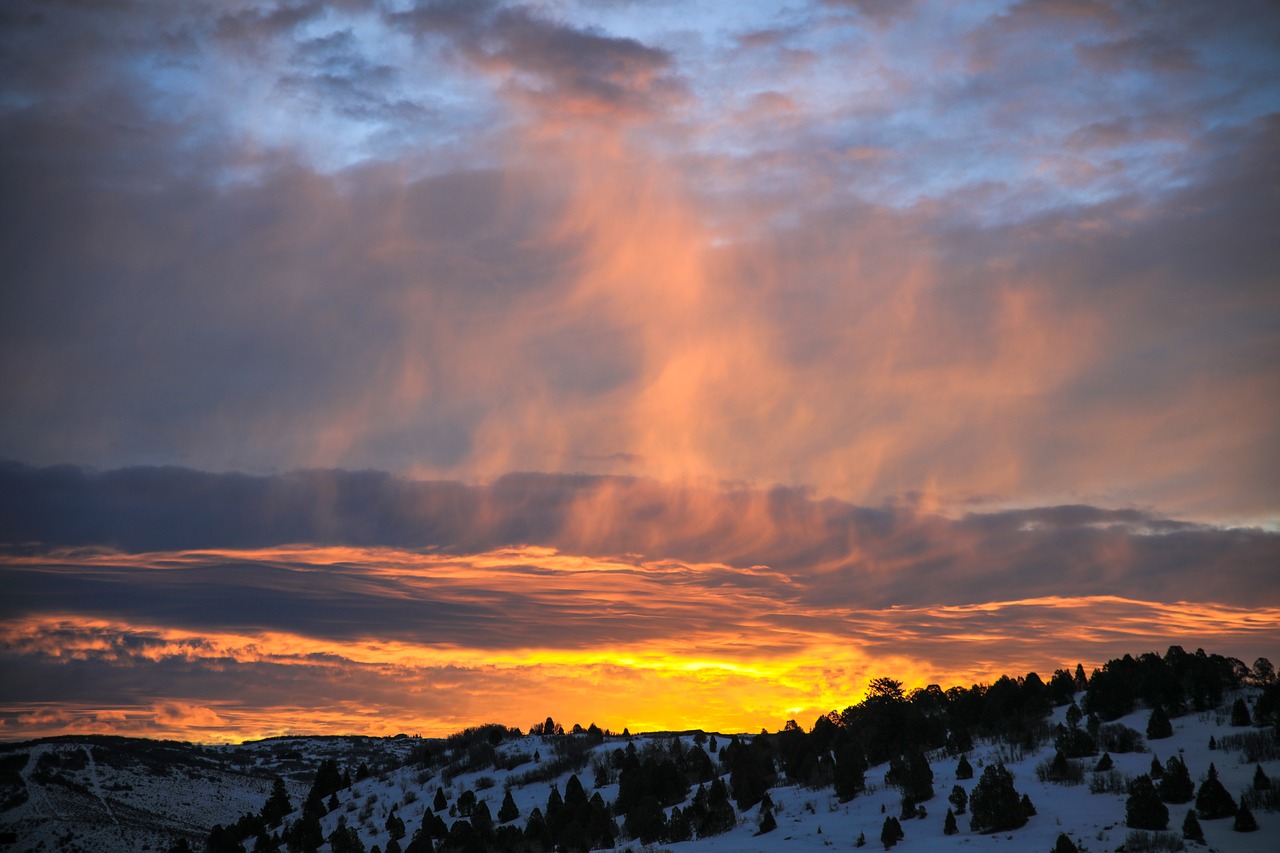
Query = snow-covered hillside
x=120 y=795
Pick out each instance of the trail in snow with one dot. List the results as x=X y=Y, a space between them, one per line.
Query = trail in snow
x=97 y=785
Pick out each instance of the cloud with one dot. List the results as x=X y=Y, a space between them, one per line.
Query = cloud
x=557 y=67
x=816 y=549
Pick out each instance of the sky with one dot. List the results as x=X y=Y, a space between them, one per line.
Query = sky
x=404 y=366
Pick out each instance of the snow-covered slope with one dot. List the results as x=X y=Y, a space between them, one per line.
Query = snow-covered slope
x=111 y=794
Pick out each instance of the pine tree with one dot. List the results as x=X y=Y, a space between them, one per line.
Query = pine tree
x=440 y=803
x=959 y=799
x=1143 y=809
x=1212 y=800
x=1027 y=808
x=1240 y=713
x=1064 y=845
x=964 y=770
x=277 y=804
x=1261 y=781
x=767 y=824
x=949 y=825
x=507 y=811
x=891 y=832
x=1158 y=725
x=1157 y=769
x=1213 y=743
x=1176 y=786
x=1191 y=827
x=995 y=804
x=1104 y=763
x=1244 y=820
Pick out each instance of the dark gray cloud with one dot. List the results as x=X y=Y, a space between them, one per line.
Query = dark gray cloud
x=820 y=551
x=575 y=70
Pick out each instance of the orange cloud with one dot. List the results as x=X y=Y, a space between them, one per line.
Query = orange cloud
x=674 y=646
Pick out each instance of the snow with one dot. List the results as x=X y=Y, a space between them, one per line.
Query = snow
x=123 y=804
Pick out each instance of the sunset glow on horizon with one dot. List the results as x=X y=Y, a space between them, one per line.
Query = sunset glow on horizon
x=406 y=366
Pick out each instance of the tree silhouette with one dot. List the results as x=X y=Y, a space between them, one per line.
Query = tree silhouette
x=1176 y=786
x=959 y=799
x=1212 y=800
x=507 y=811
x=1244 y=820
x=1143 y=809
x=995 y=804
x=1191 y=827
x=277 y=804
x=1065 y=845
x=1158 y=725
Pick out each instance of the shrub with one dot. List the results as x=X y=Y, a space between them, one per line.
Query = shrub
x=1109 y=782
x=1141 y=842
x=1060 y=770
x=1119 y=738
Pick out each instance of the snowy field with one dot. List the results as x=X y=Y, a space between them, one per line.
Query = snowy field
x=97 y=795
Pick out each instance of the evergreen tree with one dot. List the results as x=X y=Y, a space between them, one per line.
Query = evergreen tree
x=1176 y=786
x=959 y=799
x=995 y=804
x=277 y=805
x=1143 y=809
x=1104 y=763
x=964 y=770
x=1073 y=715
x=1191 y=827
x=891 y=832
x=394 y=825
x=466 y=802
x=720 y=816
x=850 y=770
x=508 y=812
x=1158 y=725
x=1064 y=845
x=949 y=825
x=535 y=830
x=680 y=826
x=1240 y=713
x=913 y=775
x=440 y=803
x=1213 y=743
x=1244 y=820
x=767 y=824
x=862 y=840
x=1074 y=743
x=1261 y=781
x=482 y=819
x=1212 y=800
x=1157 y=769
x=1027 y=808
